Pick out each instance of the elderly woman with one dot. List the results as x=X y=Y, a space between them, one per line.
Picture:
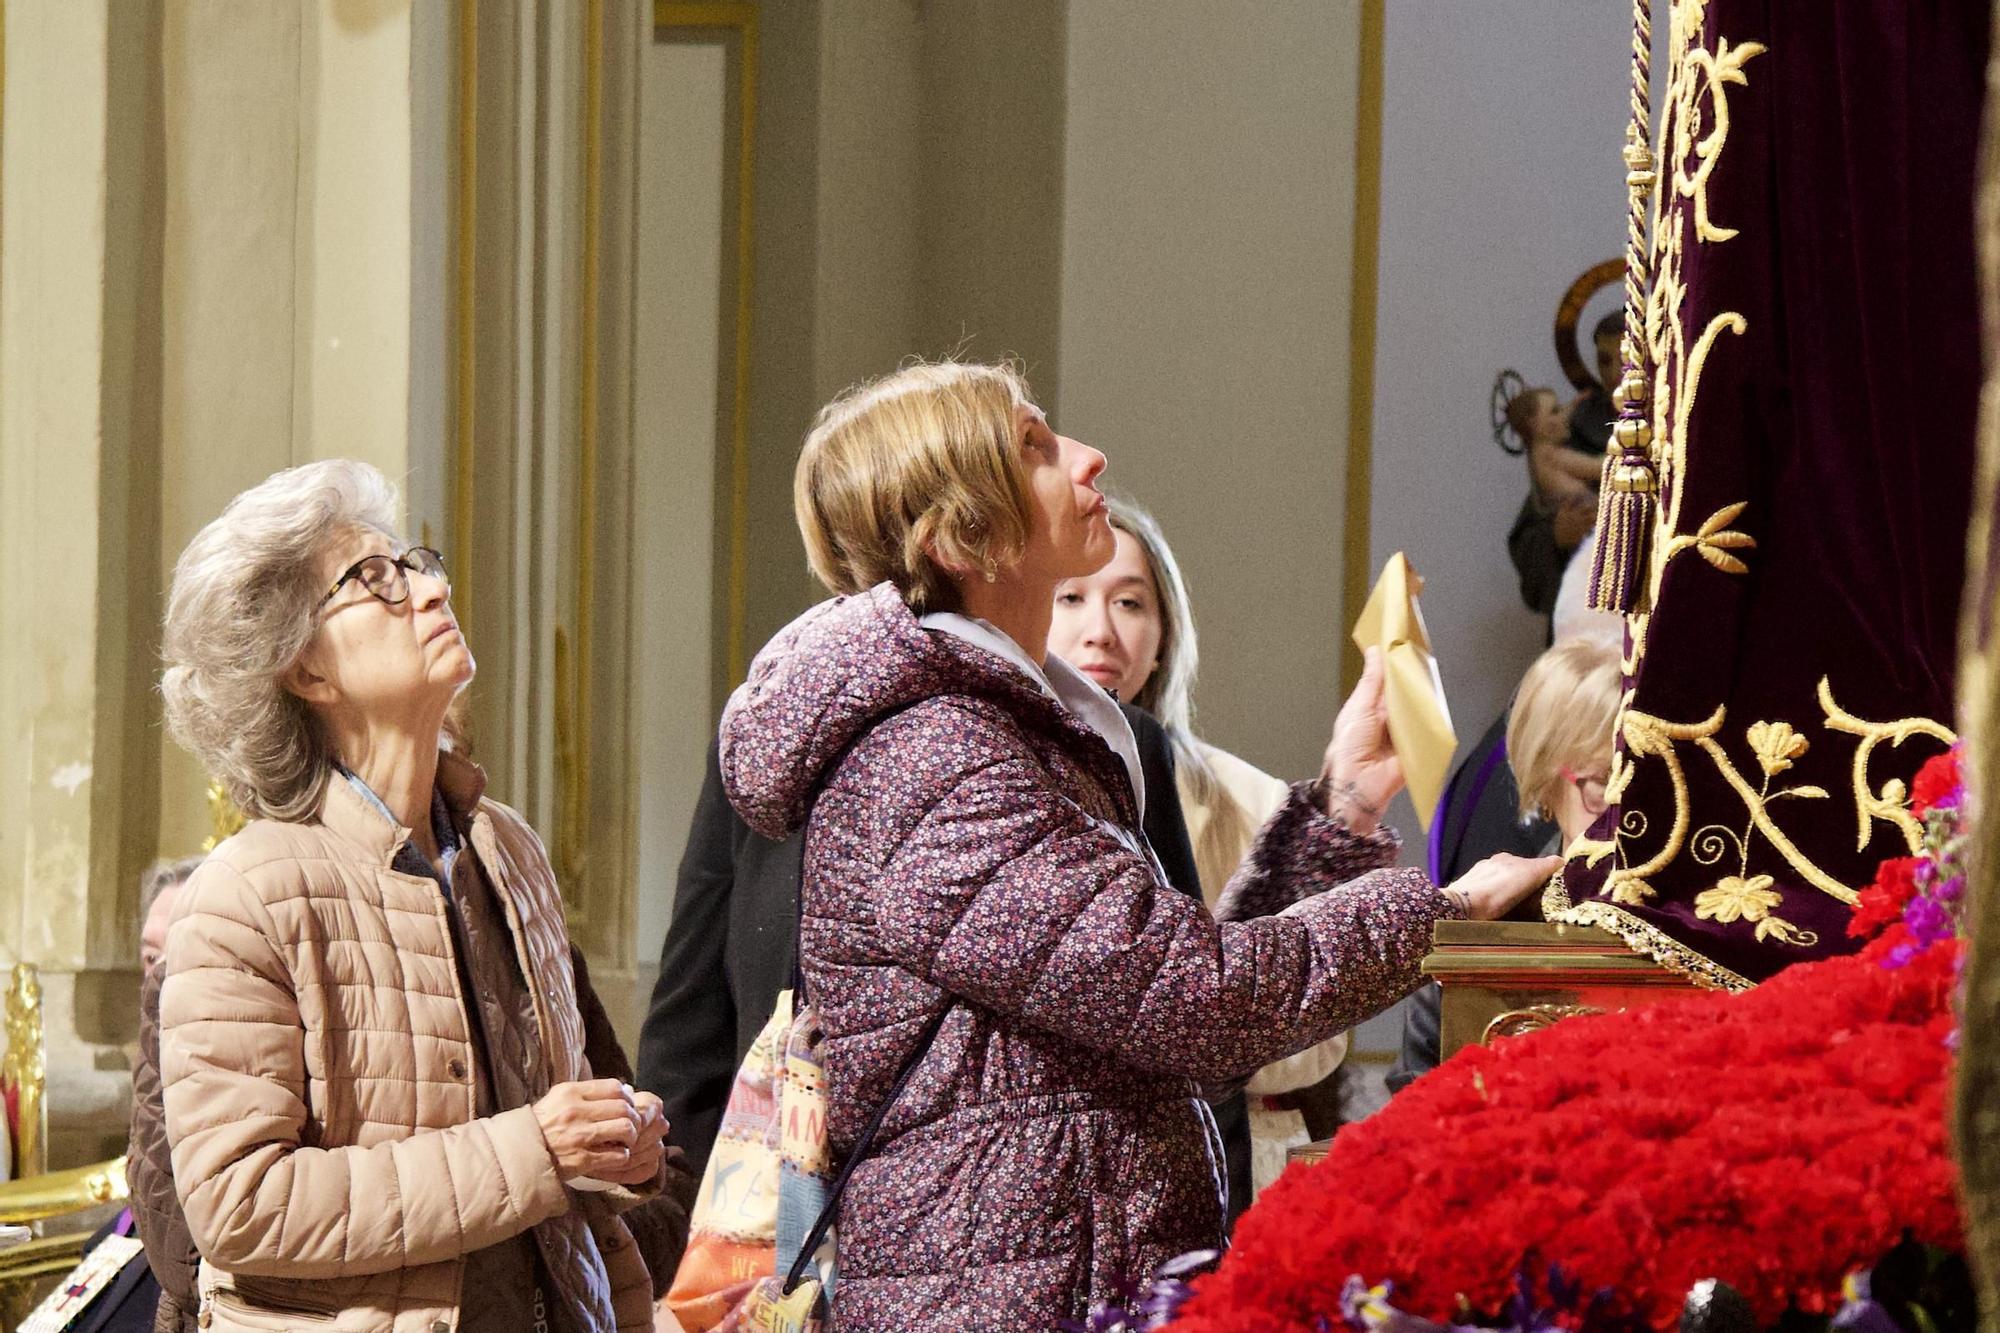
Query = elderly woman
x=1002 y=975
x=369 y=1035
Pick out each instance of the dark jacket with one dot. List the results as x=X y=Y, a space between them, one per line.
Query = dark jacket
x=971 y=854
x=1538 y=560
x=149 y=1174
x=728 y=953
x=1475 y=820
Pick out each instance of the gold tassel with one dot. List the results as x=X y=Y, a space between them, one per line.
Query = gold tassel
x=1625 y=510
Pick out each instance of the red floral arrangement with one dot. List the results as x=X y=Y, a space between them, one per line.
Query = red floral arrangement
x=1918 y=900
x=1777 y=1140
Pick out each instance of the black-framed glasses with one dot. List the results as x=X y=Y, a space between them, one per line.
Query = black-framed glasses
x=387 y=577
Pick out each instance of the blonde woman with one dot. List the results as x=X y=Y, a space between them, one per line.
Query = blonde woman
x=1130 y=627
x=1558 y=746
x=1559 y=734
x=370 y=1042
x=1018 y=1010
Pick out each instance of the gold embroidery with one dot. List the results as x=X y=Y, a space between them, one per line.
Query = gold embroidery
x=1735 y=898
x=1716 y=71
x=1775 y=744
x=1892 y=803
x=1695 y=131
x=1641 y=937
x=1714 y=540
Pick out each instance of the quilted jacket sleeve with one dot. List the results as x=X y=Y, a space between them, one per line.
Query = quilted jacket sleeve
x=259 y=1202
x=1005 y=892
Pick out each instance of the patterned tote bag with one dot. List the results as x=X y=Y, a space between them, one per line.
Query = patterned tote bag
x=732 y=1237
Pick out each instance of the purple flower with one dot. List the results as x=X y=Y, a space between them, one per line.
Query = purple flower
x=1928 y=920
x=1138 y=1307
x=1950 y=890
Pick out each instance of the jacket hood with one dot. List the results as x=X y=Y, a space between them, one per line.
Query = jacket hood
x=825 y=679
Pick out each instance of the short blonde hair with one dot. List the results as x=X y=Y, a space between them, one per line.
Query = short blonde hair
x=241 y=610
x=1562 y=717
x=907 y=477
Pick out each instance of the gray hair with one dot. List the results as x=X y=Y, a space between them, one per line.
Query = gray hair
x=161 y=876
x=241 y=610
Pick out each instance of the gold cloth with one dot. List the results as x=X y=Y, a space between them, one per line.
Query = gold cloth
x=1419 y=718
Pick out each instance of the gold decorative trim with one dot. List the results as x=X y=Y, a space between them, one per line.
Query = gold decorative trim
x=24 y=1071
x=1357 y=558
x=1641 y=938
x=1535 y=1017
x=742 y=19
x=572 y=752
x=1892 y=803
x=467 y=348
x=33 y=1198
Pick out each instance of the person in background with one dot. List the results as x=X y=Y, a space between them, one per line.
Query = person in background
x=369 y=995
x=1557 y=748
x=1556 y=517
x=149 y=1175
x=1130 y=627
x=983 y=930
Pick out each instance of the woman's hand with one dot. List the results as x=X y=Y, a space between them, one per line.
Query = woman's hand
x=595 y=1129
x=650 y=1148
x=1362 y=772
x=1488 y=890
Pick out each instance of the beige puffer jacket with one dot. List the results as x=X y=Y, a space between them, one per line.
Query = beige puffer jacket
x=318 y=1066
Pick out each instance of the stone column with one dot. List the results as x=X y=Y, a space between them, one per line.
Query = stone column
x=74 y=588
x=210 y=210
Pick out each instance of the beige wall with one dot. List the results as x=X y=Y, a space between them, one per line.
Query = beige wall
x=1501 y=182
x=886 y=225
x=285 y=259
x=679 y=415
x=1207 y=232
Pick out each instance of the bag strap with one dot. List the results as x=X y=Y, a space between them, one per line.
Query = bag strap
x=866 y=1141
x=824 y=1222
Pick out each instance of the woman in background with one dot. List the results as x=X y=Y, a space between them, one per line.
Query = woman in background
x=1130 y=627
x=1558 y=747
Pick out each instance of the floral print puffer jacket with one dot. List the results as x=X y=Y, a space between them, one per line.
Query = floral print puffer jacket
x=969 y=847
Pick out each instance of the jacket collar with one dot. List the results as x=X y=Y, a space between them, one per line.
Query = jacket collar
x=345 y=813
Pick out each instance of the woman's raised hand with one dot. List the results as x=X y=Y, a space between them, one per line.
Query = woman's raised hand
x=1489 y=889
x=1362 y=771
x=602 y=1129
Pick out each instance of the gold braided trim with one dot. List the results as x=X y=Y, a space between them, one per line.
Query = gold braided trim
x=1641 y=938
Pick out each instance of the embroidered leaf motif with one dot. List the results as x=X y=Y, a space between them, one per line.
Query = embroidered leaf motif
x=1631 y=891
x=1784 y=932
x=1722 y=518
x=1722 y=560
x=1715 y=539
x=1811 y=793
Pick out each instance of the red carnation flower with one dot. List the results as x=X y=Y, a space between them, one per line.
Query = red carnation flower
x=1937 y=782
x=1812 y=1139
x=1882 y=902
